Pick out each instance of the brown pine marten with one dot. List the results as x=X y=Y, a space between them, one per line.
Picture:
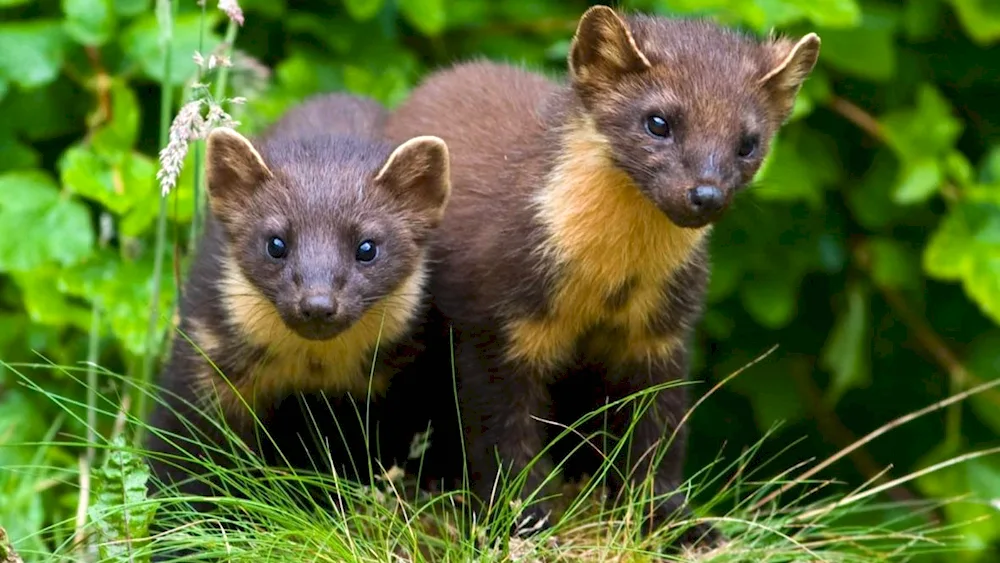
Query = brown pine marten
x=308 y=285
x=571 y=262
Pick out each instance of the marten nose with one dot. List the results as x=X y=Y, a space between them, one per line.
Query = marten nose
x=317 y=307
x=706 y=200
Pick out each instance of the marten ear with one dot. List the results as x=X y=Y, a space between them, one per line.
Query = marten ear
x=233 y=169
x=418 y=175
x=603 y=48
x=793 y=63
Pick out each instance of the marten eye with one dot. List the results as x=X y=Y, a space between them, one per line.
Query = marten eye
x=276 y=248
x=748 y=146
x=367 y=251
x=657 y=126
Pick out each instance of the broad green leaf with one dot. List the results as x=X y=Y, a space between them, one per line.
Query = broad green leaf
x=966 y=247
x=983 y=359
x=867 y=51
x=51 y=227
x=919 y=180
x=800 y=166
x=117 y=183
x=920 y=18
x=121 y=512
x=770 y=297
x=118 y=135
x=129 y=8
x=142 y=45
x=428 y=16
x=847 y=352
x=981 y=19
x=829 y=13
x=89 y=22
x=989 y=172
x=33 y=52
x=12 y=3
x=976 y=519
x=893 y=265
x=46 y=305
x=14 y=154
x=363 y=9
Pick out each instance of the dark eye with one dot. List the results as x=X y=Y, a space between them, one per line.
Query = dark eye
x=367 y=251
x=748 y=146
x=276 y=248
x=657 y=126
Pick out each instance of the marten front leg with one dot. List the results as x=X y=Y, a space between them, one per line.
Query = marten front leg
x=656 y=425
x=498 y=401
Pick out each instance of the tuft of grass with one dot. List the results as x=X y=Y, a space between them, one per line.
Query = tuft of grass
x=278 y=514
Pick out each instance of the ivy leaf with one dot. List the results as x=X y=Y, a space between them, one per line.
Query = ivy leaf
x=799 y=167
x=893 y=265
x=846 y=354
x=966 y=247
x=975 y=518
x=121 y=512
x=981 y=19
x=770 y=297
x=129 y=8
x=49 y=226
x=428 y=16
x=89 y=22
x=921 y=137
x=14 y=154
x=119 y=134
x=117 y=183
x=983 y=359
x=141 y=42
x=868 y=50
x=363 y=9
x=921 y=17
x=45 y=304
x=32 y=52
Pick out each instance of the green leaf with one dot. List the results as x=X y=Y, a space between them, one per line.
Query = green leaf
x=800 y=166
x=117 y=183
x=921 y=18
x=867 y=51
x=981 y=19
x=142 y=45
x=829 y=13
x=11 y=3
x=894 y=266
x=363 y=9
x=983 y=359
x=966 y=247
x=50 y=227
x=45 y=304
x=918 y=181
x=14 y=154
x=974 y=517
x=89 y=22
x=119 y=134
x=129 y=8
x=54 y=110
x=32 y=52
x=770 y=297
x=121 y=512
x=846 y=354
x=428 y=16
x=871 y=200
x=989 y=172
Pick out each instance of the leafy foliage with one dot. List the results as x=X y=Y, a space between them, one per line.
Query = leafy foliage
x=119 y=512
x=869 y=249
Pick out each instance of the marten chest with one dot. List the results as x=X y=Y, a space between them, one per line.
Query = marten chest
x=613 y=255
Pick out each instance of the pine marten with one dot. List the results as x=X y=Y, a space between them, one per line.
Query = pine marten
x=308 y=285
x=571 y=262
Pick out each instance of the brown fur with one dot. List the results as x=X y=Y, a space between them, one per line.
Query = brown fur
x=251 y=349
x=571 y=262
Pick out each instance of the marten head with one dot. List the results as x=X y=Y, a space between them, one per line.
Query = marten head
x=689 y=108
x=325 y=227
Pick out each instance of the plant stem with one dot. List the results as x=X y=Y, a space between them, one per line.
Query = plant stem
x=166 y=112
x=93 y=351
x=199 y=147
x=223 y=76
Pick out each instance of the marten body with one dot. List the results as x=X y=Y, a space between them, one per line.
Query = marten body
x=307 y=288
x=571 y=262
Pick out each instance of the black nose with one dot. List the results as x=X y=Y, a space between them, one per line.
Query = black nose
x=318 y=308
x=706 y=199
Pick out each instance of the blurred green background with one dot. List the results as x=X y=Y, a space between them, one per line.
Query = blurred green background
x=869 y=250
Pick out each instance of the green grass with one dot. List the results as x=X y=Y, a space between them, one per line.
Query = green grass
x=271 y=519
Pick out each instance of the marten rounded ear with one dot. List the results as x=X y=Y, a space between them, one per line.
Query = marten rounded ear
x=233 y=167
x=792 y=64
x=603 y=48
x=417 y=174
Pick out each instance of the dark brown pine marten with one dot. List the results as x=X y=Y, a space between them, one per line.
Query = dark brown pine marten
x=571 y=262
x=307 y=284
